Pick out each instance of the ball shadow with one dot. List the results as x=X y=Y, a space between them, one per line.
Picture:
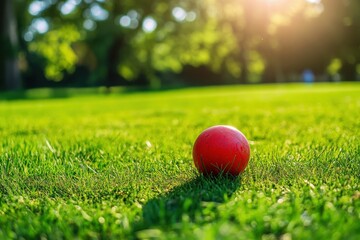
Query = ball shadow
x=191 y=201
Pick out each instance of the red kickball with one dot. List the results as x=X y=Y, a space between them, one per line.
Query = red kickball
x=221 y=150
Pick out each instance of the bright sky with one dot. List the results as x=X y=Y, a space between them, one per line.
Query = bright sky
x=314 y=1
x=309 y=1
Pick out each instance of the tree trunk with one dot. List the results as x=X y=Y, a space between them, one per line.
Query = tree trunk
x=244 y=75
x=10 y=74
x=273 y=71
x=243 y=35
x=113 y=61
x=348 y=71
x=242 y=55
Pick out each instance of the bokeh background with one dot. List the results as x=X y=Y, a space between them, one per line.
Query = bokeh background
x=170 y=43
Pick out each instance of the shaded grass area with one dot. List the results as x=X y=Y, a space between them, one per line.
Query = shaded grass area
x=120 y=165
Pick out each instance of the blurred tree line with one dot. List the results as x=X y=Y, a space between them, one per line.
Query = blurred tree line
x=169 y=42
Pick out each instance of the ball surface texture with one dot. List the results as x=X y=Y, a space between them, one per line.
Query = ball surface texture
x=221 y=149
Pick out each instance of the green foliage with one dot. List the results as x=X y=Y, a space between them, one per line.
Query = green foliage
x=192 y=44
x=120 y=167
x=334 y=66
x=56 y=48
x=240 y=40
x=247 y=40
x=256 y=66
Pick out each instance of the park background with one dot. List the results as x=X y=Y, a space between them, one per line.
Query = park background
x=76 y=163
x=176 y=43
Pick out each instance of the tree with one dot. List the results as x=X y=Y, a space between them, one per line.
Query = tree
x=347 y=47
x=9 y=47
x=133 y=42
x=130 y=38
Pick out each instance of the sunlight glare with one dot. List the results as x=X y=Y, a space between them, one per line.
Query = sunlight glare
x=313 y=1
x=179 y=14
x=125 y=21
x=98 y=13
x=29 y=36
x=68 y=7
x=40 y=25
x=35 y=8
x=149 y=24
x=89 y=25
x=277 y=1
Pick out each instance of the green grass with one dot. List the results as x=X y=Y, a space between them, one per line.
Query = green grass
x=120 y=167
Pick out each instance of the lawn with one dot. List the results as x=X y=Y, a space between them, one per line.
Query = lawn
x=120 y=166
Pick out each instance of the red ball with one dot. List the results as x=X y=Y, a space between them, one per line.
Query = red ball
x=221 y=150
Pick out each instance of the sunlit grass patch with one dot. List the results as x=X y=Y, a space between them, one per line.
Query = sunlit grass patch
x=120 y=165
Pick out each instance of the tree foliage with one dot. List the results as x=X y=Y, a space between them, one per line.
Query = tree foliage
x=136 y=42
x=56 y=48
